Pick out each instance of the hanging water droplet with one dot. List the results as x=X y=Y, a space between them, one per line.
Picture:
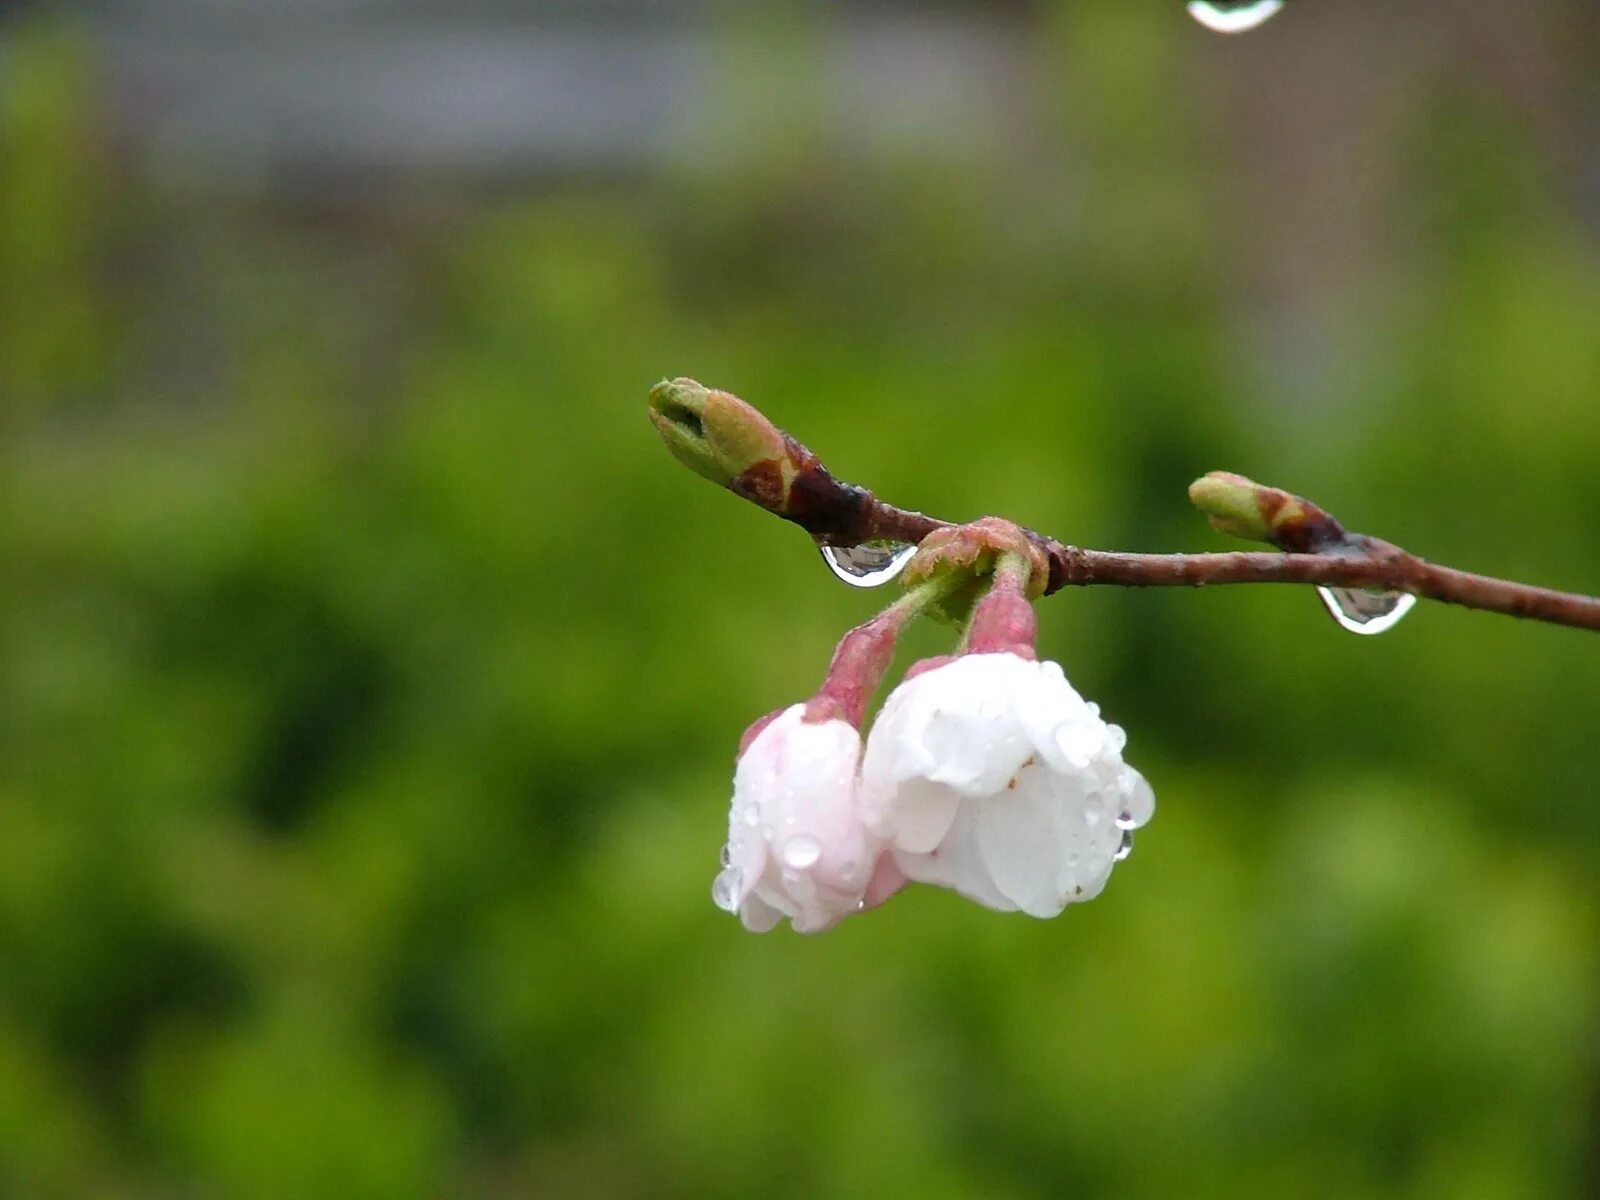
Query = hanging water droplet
x=801 y=851
x=725 y=890
x=1126 y=848
x=1363 y=611
x=1138 y=801
x=869 y=564
x=727 y=855
x=1233 y=16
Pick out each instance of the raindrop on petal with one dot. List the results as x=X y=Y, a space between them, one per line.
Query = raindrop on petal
x=1139 y=801
x=725 y=890
x=1126 y=848
x=870 y=564
x=727 y=855
x=1233 y=16
x=1077 y=742
x=801 y=851
x=1362 y=611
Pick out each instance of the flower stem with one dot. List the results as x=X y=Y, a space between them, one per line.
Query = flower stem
x=863 y=655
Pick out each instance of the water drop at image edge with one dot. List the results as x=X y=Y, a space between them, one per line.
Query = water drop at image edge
x=1366 y=612
x=870 y=565
x=1233 y=16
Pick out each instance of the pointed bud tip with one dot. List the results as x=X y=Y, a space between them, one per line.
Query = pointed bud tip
x=728 y=441
x=680 y=400
x=1233 y=503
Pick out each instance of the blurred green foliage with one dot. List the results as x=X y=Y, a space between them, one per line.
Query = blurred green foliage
x=369 y=680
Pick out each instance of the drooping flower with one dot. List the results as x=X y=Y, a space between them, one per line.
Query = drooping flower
x=992 y=776
x=797 y=846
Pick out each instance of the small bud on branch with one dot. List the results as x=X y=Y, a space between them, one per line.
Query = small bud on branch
x=730 y=442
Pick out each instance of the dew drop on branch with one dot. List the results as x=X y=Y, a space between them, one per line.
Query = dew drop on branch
x=870 y=564
x=1361 y=610
x=1233 y=16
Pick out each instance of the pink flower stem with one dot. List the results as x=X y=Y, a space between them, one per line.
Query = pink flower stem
x=863 y=655
x=1003 y=622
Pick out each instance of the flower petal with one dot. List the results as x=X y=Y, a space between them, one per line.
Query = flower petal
x=1019 y=839
x=923 y=813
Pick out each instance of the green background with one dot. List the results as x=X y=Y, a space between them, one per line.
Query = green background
x=370 y=677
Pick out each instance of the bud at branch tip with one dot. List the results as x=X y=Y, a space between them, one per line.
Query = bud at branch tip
x=1255 y=512
x=717 y=435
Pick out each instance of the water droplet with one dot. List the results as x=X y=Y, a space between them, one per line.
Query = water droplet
x=1091 y=815
x=992 y=709
x=751 y=817
x=801 y=851
x=1139 y=801
x=1094 y=709
x=1077 y=742
x=1126 y=848
x=725 y=890
x=870 y=564
x=1116 y=738
x=1233 y=16
x=1363 y=611
x=727 y=855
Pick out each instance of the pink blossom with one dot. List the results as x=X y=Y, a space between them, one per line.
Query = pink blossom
x=797 y=846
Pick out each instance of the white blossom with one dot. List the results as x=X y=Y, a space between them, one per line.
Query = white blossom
x=992 y=776
x=797 y=846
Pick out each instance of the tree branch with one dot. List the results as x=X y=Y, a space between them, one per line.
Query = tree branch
x=732 y=443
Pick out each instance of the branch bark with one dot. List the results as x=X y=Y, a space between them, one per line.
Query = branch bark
x=731 y=442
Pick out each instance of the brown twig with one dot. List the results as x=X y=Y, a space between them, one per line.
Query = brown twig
x=1314 y=548
x=1378 y=565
